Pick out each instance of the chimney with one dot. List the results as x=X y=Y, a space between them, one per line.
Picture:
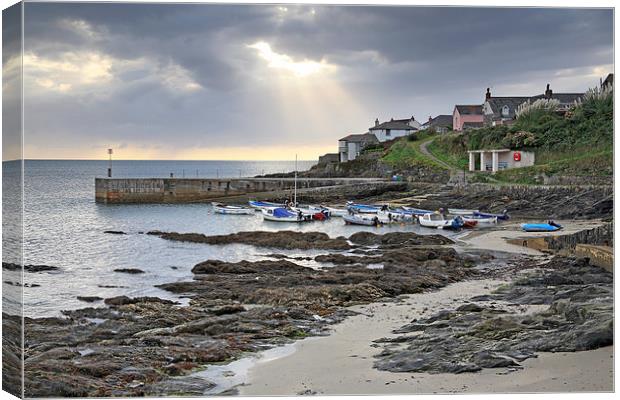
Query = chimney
x=391 y=119
x=430 y=119
x=377 y=122
x=548 y=92
x=488 y=94
x=412 y=118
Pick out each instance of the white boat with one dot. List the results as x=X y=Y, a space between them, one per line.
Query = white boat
x=281 y=215
x=461 y=211
x=395 y=216
x=433 y=220
x=359 y=219
x=332 y=211
x=481 y=220
x=220 y=208
x=306 y=212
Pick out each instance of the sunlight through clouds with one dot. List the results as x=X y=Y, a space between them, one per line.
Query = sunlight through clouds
x=286 y=63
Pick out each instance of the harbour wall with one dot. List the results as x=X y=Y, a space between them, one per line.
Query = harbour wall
x=189 y=190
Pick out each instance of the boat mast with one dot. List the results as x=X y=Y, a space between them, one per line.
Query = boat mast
x=295 y=199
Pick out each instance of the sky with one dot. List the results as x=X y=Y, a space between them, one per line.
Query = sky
x=192 y=81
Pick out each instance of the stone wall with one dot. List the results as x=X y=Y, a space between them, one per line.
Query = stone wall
x=601 y=236
x=187 y=190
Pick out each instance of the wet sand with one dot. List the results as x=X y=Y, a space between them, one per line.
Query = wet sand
x=342 y=363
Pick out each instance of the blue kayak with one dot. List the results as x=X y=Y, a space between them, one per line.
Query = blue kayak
x=503 y=217
x=548 y=227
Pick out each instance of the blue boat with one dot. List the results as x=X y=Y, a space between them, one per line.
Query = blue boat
x=363 y=208
x=416 y=211
x=259 y=205
x=548 y=227
x=502 y=217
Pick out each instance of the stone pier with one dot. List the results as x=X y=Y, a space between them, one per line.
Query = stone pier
x=188 y=190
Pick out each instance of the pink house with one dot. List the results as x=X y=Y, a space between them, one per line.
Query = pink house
x=467 y=117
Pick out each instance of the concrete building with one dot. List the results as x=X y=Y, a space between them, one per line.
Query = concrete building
x=500 y=159
x=350 y=147
x=466 y=113
x=394 y=128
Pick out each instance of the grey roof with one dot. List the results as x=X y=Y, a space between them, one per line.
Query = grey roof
x=361 y=138
x=513 y=102
x=469 y=109
x=563 y=98
x=394 y=124
x=440 y=120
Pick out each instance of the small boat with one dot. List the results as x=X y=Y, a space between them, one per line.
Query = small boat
x=480 y=220
x=394 y=216
x=461 y=211
x=363 y=208
x=220 y=208
x=360 y=219
x=434 y=220
x=416 y=211
x=548 y=227
x=260 y=205
x=502 y=217
x=310 y=213
x=282 y=215
x=332 y=211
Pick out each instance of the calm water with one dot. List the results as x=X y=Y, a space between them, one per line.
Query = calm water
x=63 y=227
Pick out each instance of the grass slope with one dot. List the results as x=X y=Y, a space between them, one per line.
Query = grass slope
x=579 y=144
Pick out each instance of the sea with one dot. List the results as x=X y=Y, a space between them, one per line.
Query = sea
x=64 y=227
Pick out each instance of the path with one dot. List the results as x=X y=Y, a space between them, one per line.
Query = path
x=457 y=176
x=428 y=154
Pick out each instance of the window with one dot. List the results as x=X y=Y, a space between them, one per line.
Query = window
x=388 y=132
x=505 y=111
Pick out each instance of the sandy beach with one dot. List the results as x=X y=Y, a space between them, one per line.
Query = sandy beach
x=496 y=239
x=342 y=363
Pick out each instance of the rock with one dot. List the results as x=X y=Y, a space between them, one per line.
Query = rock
x=279 y=239
x=397 y=238
x=129 y=270
x=89 y=299
x=581 y=318
x=246 y=267
x=115 y=232
x=28 y=267
x=123 y=300
x=470 y=307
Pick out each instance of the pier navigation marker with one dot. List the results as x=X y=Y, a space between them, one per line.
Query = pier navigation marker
x=110 y=163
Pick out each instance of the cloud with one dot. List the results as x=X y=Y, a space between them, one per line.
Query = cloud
x=194 y=76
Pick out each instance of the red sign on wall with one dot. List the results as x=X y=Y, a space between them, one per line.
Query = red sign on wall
x=516 y=156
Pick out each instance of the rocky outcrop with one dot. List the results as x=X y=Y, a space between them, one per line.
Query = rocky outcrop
x=28 y=267
x=149 y=346
x=491 y=333
x=397 y=238
x=279 y=239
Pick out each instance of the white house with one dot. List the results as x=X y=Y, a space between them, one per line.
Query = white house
x=349 y=147
x=394 y=128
